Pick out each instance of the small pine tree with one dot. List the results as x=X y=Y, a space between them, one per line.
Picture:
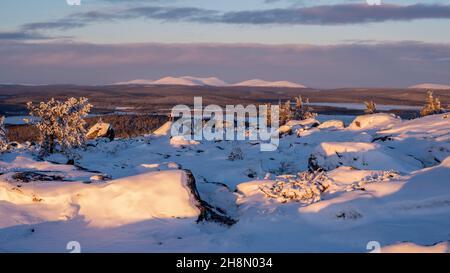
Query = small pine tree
x=60 y=123
x=302 y=111
x=3 y=136
x=371 y=107
x=432 y=106
x=286 y=112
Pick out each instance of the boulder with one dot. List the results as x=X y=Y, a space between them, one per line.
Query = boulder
x=101 y=130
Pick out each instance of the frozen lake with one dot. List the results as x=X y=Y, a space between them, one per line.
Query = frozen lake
x=362 y=106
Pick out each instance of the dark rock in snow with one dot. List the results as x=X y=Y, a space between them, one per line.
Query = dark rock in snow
x=30 y=176
x=207 y=212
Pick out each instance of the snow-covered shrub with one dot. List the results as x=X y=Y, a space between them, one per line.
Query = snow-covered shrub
x=302 y=111
x=3 y=137
x=236 y=154
x=305 y=188
x=371 y=107
x=60 y=123
x=432 y=106
x=376 y=176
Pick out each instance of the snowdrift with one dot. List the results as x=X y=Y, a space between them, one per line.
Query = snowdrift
x=374 y=121
x=426 y=139
x=361 y=155
x=414 y=248
x=142 y=197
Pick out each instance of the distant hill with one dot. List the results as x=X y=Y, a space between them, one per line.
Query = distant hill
x=211 y=81
x=263 y=83
x=431 y=86
x=186 y=80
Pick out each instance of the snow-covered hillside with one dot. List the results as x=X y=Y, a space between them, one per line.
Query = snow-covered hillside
x=186 y=80
x=263 y=83
x=211 y=81
x=430 y=86
x=327 y=188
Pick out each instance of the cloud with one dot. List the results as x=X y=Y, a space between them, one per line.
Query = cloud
x=338 y=14
x=316 y=15
x=343 y=65
x=21 y=35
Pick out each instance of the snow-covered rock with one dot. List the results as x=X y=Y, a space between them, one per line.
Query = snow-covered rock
x=374 y=121
x=427 y=139
x=297 y=126
x=164 y=130
x=332 y=125
x=101 y=130
x=178 y=141
x=306 y=123
x=119 y=202
x=360 y=155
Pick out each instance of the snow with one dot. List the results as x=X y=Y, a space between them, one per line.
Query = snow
x=263 y=83
x=178 y=141
x=118 y=202
x=210 y=81
x=361 y=155
x=413 y=248
x=374 y=121
x=396 y=192
x=185 y=80
x=432 y=86
x=20 y=120
x=332 y=124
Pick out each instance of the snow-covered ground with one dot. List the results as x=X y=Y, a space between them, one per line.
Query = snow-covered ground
x=385 y=181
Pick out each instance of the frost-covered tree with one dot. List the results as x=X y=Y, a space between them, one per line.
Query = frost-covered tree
x=286 y=112
x=371 y=107
x=432 y=106
x=3 y=136
x=302 y=111
x=60 y=123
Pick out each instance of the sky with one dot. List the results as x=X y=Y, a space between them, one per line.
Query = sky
x=319 y=43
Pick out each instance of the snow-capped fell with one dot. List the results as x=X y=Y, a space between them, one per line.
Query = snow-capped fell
x=211 y=81
x=263 y=83
x=136 y=82
x=186 y=80
x=190 y=81
x=432 y=86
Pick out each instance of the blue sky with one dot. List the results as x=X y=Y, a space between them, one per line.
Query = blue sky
x=327 y=26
